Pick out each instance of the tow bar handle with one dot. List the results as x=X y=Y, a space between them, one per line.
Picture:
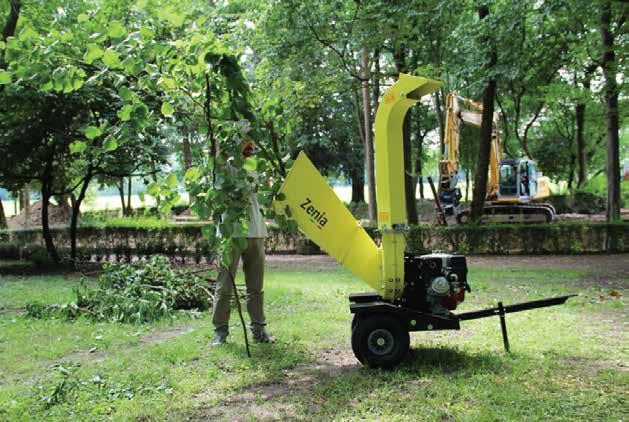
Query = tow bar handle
x=518 y=307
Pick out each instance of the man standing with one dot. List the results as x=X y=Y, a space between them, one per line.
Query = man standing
x=253 y=266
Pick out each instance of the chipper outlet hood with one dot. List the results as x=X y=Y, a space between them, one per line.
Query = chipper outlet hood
x=322 y=217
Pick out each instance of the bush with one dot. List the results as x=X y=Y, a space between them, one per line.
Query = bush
x=10 y=250
x=581 y=202
x=133 y=293
x=38 y=255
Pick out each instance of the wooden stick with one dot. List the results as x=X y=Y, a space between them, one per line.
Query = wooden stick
x=242 y=320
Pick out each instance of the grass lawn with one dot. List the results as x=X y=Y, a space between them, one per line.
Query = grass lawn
x=567 y=363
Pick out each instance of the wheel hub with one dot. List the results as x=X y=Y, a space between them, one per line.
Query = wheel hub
x=380 y=341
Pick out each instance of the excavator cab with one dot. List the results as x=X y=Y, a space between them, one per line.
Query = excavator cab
x=517 y=180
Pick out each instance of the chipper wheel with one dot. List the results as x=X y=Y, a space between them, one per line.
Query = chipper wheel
x=379 y=341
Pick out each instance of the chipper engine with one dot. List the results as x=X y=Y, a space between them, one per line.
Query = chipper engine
x=412 y=293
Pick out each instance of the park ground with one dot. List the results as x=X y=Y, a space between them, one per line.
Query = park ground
x=567 y=363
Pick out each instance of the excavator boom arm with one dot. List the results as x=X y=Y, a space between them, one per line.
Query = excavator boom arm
x=455 y=116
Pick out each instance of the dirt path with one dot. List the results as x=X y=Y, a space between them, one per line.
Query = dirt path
x=276 y=400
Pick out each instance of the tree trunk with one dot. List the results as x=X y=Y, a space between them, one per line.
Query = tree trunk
x=608 y=64
x=580 y=117
x=376 y=81
x=440 y=120
x=25 y=195
x=64 y=201
x=187 y=154
x=11 y=22
x=3 y=217
x=46 y=193
x=76 y=208
x=129 y=209
x=122 y=199
x=573 y=160
x=486 y=128
x=419 y=179
x=358 y=187
x=467 y=185
x=418 y=172
x=369 y=159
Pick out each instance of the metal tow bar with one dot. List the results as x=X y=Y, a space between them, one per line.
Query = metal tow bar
x=502 y=310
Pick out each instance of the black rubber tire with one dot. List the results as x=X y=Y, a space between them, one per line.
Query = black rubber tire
x=357 y=353
x=380 y=328
x=463 y=217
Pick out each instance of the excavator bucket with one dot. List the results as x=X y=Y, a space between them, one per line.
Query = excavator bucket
x=323 y=217
x=320 y=214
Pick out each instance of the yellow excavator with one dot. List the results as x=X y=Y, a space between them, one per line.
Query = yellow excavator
x=410 y=292
x=515 y=188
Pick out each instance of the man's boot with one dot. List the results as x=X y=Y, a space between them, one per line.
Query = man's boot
x=261 y=336
x=219 y=338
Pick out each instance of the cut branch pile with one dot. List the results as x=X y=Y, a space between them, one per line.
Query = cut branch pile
x=141 y=292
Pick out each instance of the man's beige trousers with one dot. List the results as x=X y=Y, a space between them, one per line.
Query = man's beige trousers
x=253 y=266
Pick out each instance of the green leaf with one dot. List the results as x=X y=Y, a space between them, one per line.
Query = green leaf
x=226 y=230
x=110 y=145
x=2 y=45
x=116 y=30
x=280 y=197
x=192 y=174
x=124 y=113
x=172 y=15
x=167 y=109
x=46 y=87
x=209 y=232
x=111 y=59
x=5 y=77
x=241 y=243
x=153 y=189
x=82 y=18
x=147 y=33
x=125 y=93
x=77 y=147
x=94 y=52
x=168 y=83
x=93 y=132
x=77 y=83
x=171 y=180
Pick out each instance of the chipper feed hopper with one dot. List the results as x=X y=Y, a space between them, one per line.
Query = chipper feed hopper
x=412 y=293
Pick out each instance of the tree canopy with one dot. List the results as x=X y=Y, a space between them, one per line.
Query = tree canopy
x=167 y=90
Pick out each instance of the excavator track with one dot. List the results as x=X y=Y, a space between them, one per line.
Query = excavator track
x=537 y=212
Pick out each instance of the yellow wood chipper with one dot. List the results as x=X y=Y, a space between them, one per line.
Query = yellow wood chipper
x=412 y=293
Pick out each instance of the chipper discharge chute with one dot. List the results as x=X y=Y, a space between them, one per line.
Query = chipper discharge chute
x=412 y=293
